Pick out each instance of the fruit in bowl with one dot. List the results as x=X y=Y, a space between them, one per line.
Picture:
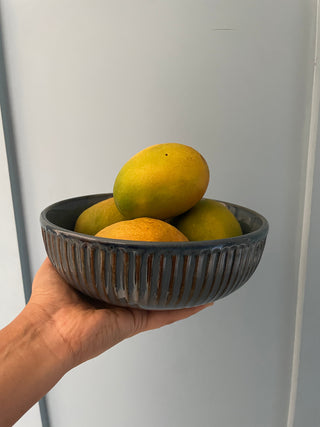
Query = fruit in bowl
x=208 y=220
x=98 y=216
x=161 y=181
x=161 y=244
x=166 y=182
x=143 y=229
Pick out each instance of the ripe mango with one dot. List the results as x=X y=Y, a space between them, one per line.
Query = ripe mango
x=208 y=220
x=161 y=181
x=98 y=216
x=143 y=229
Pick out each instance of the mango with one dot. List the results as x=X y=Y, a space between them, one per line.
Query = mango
x=143 y=229
x=208 y=220
x=161 y=181
x=98 y=216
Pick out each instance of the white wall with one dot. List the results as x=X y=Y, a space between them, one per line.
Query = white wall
x=307 y=409
x=91 y=83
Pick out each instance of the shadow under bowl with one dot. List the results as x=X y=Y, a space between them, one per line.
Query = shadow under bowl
x=151 y=275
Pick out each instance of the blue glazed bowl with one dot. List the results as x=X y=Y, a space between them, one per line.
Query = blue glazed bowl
x=151 y=275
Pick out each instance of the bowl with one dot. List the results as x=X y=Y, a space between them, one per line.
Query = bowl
x=151 y=275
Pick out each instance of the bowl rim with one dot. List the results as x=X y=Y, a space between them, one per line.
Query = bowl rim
x=253 y=236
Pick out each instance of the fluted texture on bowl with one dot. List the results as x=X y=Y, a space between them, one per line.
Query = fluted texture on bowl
x=156 y=276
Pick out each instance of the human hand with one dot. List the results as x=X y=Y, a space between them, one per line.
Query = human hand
x=87 y=327
x=57 y=330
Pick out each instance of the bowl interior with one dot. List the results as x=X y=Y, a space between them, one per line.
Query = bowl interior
x=65 y=213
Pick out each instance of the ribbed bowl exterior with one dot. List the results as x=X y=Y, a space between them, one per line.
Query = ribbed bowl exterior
x=150 y=275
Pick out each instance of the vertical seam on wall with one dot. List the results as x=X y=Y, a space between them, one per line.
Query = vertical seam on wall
x=9 y=138
x=306 y=218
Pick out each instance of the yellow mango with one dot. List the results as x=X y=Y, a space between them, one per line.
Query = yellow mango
x=143 y=229
x=208 y=220
x=98 y=216
x=161 y=181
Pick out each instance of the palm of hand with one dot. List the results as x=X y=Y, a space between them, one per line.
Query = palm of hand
x=89 y=327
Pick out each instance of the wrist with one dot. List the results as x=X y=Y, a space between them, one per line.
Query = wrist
x=46 y=337
x=32 y=361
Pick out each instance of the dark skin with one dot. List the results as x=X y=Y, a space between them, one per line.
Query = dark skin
x=57 y=330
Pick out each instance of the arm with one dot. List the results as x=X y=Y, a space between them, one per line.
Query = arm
x=56 y=331
x=28 y=368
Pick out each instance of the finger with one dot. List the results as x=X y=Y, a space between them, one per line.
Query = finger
x=157 y=319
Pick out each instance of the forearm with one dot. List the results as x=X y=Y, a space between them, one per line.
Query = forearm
x=29 y=364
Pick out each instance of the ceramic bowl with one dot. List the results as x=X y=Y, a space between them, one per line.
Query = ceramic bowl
x=151 y=275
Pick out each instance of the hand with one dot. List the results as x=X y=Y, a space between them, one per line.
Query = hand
x=88 y=327
x=58 y=329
